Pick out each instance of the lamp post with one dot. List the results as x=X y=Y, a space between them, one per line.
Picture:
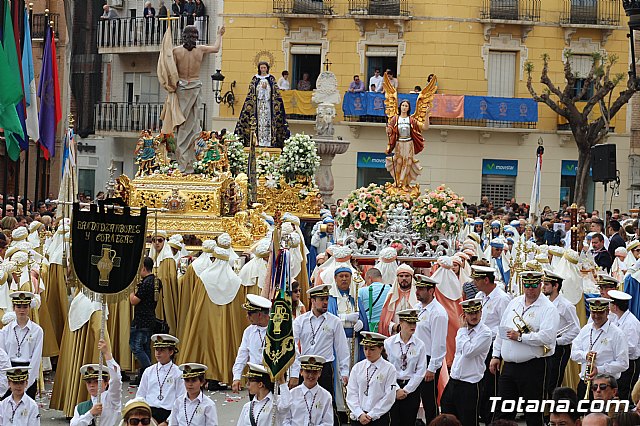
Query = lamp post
x=229 y=98
x=632 y=9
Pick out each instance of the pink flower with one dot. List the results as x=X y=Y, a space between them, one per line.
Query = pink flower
x=357 y=224
x=432 y=194
x=430 y=206
x=363 y=215
x=440 y=188
x=444 y=208
x=434 y=210
x=372 y=220
x=343 y=213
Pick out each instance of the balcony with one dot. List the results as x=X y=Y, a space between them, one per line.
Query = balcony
x=127 y=119
x=38 y=24
x=378 y=8
x=511 y=10
x=588 y=13
x=303 y=7
x=136 y=35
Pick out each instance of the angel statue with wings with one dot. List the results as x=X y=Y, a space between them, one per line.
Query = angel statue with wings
x=405 y=132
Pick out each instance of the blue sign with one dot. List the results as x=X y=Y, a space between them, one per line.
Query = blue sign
x=371 y=160
x=570 y=168
x=500 y=167
x=371 y=103
x=520 y=110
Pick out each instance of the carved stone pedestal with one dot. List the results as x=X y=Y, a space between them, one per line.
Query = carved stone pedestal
x=327 y=149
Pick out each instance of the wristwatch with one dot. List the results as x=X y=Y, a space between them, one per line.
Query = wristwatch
x=519 y=338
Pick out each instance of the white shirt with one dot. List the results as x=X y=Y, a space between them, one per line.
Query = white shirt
x=493 y=307
x=29 y=341
x=26 y=412
x=377 y=81
x=568 y=318
x=432 y=331
x=329 y=336
x=167 y=376
x=262 y=409
x=250 y=350
x=283 y=84
x=199 y=412
x=610 y=345
x=542 y=318
x=472 y=347
x=317 y=400
x=4 y=363
x=110 y=399
x=630 y=326
x=378 y=397
x=415 y=367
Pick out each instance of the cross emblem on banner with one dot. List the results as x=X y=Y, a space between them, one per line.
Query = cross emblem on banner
x=105 y=263
x=279 y=316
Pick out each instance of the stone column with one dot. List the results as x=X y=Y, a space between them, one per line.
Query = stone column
x=634 y=140
x=327 y=150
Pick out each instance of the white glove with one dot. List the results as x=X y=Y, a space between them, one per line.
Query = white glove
x=352 y=317
x=358 y=326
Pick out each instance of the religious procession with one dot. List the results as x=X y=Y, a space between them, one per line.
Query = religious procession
x=221 y=284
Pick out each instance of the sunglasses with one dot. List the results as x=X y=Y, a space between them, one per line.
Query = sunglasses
x=636 y=249
x=296 y=290
x=534 y=285
x=600 y=386
x=135 y=422
x=566 y=221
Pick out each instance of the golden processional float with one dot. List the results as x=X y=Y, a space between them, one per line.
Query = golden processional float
x=220 y=196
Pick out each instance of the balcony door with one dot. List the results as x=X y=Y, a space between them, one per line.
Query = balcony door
x=584 y=11
x=504 y=9
x=306 y=58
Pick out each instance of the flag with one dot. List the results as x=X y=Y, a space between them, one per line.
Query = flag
x=167 y=70
x=29 y=81
x=68 y=181
x=279 y=350
x=534 y=203
x=17 y=17
x=10 y=85
x=49 y=94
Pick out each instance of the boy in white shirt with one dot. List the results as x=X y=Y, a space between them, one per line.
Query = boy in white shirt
x=193 y=408
x=19 y=409
x=310 y=403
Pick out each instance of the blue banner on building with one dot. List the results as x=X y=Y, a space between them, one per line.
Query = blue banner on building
x=354 y=103
x=500 y=109
x=371 y=160
x=371 y=103
x=500 y=167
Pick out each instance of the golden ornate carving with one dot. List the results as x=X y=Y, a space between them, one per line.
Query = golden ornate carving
x=287 y=199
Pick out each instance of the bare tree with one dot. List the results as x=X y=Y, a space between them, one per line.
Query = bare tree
x=571 y=104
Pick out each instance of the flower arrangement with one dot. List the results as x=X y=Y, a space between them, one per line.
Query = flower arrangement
x=362 y=210
x=438 y=212
x=391 y=201
x=267 y=168
x=199 y=167
x=299 y=157
x=168 y=169
x=236 y=155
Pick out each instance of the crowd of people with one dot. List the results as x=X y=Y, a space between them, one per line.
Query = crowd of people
x=514 y=313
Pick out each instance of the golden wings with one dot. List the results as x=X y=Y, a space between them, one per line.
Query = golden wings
x=423 y=104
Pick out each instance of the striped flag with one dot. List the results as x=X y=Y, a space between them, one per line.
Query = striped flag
x=49 y=93
x=29 y=81
x=534 y=203
x=68 y=181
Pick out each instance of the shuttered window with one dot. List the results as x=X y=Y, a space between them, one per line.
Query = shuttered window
x=502 y=72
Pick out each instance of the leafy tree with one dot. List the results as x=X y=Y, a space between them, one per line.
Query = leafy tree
x=576 y=107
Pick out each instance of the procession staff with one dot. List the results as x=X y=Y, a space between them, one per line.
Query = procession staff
x=568 y=329
x=527 y=336
x=310 y=403
x=602 y=338
x=259 y=411
x=193 y=407
x=253 y=338
x=432 y=332
x=372 y=386
x=109 y=407
x=22 y=339
x=319 y=332
x=407 y=354
x=19 y=409
x=630 y=326
x=494 y=303
x=162 y=383
x=461 y=396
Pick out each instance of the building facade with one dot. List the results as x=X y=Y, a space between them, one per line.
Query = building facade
x=476 y=49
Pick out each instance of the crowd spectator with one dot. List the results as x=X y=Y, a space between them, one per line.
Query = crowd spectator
x=107 y=14
x=375 y=82
x=392 y=79
x=600 y=253
x=357 y=85
x=416 y=90
x=283 y=82
x=149 y=11
x=304 y=84
x=176 y=8
x=162 y=10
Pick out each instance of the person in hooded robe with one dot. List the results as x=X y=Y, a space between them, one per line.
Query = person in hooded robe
x=216 y=319
x=632 y=277
x=79 y=347
x=167 y=273
x=619 y=267
x=180 y=255
x=402 y=296
x=556 y=253
x=449 y=294
x=57 y=253
x=254 y=272
x=387 y=264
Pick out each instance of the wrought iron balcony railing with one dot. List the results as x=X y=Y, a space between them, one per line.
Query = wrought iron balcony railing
x=141 y=32
x=591 y=12
x=305 y=7
x=379 y=7
x=39 y=21
x=124 y=117
x=511 y=10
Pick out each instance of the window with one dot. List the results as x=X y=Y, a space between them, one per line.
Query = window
x=382 y=57
x=306 y=59
x=584 y=11
x=502 y=74
x=581 y=65
x=141 y=88
x=86 y=181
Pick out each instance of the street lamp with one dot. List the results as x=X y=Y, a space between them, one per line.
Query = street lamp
x=632 y=9
x=229 y=98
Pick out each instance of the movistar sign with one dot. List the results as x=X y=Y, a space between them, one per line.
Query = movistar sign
x=371 y=160
x=570 y=168
x=500 y=167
